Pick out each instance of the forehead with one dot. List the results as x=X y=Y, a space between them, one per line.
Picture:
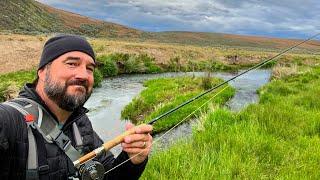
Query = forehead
x=75 y=55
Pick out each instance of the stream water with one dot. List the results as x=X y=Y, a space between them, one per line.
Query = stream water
x=107 y=102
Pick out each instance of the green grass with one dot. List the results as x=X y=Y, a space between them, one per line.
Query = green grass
x=164 y=94
x=14 y=81
x=275 y=139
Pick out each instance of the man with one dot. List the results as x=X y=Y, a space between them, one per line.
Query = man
x=64 y=83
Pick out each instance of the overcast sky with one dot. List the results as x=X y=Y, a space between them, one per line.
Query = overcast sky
x=277 y=18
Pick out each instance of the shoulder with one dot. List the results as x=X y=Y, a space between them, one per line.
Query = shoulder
x=12 y=124
x=9 y=114
x=84 y=122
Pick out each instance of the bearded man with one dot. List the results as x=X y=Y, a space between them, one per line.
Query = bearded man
x=64 y=83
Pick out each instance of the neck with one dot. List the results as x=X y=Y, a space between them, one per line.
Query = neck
x=61 y=114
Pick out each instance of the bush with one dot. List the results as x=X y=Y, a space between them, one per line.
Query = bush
x=153 y=69
x=206 y=82
x=109 y=67
x=174 y=64
x=134 y=65
x=98 y=77
x=120 y=57
x=150 y=66
x=219 y=66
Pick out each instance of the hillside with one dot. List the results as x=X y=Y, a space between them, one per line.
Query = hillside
x=235 y=41
x=31 y=17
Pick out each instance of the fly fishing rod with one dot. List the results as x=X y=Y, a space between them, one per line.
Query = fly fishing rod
x=225 y=82
x=90 y=171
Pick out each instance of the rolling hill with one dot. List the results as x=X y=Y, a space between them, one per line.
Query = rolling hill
x=32 y=17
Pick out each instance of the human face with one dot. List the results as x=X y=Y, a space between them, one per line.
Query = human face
x=69 y=80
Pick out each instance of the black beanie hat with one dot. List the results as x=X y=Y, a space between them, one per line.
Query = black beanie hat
x=61 y=44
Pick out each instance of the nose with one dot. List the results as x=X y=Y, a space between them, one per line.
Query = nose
x=82 y=73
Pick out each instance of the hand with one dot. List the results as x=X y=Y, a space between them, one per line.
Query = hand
x=140 y=142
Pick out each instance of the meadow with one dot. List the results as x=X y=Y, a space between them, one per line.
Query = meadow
x=22 y=54
x=278 y=138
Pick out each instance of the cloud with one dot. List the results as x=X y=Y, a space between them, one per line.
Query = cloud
x=286 y=18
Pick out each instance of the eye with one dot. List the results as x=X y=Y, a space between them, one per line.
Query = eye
x=73 y=64
x=90 y=69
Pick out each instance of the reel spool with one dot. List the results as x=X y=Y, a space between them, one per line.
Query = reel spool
x=91 y=170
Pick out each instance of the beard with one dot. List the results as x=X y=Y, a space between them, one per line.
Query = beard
x=57 y=92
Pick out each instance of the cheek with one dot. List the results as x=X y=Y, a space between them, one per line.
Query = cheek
x=91 y=80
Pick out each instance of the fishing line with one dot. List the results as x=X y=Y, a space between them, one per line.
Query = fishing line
x=208 y=91
x=156 y=141
x=225 y=82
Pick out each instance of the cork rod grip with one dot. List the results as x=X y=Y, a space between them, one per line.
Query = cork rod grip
x=106 y=146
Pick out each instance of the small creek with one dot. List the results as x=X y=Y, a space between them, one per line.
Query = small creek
x=106 y=102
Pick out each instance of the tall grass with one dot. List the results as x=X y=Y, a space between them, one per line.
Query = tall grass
x=163 y=94
x=275 y=139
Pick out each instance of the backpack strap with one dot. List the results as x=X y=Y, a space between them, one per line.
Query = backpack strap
x=77 y=136
x=33 y=171
x=41 y=124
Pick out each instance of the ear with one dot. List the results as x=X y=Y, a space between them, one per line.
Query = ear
x=42 y=73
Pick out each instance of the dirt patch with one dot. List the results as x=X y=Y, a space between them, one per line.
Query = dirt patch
x=19 y=52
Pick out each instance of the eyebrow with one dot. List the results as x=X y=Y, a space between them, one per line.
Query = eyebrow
x=72 y=58
x=77 y=59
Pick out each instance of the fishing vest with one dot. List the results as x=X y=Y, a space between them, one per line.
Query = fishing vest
x=42 y=127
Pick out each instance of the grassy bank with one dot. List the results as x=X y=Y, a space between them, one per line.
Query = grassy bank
x=12 y=82
x=117 y=57
x=113 y=65
x=164 y=94
x=275 y=139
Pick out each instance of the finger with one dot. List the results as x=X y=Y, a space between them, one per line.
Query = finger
x=142 y=129
x=129 y=126
x=137 y=150
x=136 y=137
x=139 y=144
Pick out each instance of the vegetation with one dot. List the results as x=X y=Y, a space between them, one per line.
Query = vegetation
x=32 y=17
x=164 y=94
x=275 y=139
x=27 y=17
x=11 y=83
x=109 y=67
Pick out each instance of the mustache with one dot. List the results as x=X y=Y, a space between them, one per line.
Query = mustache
x=78 y=82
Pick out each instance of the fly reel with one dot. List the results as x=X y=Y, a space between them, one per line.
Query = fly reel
x=91 y=170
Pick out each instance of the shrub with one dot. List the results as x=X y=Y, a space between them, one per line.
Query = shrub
x=98 y=77
x=109 y=67
x=219 y=66
x=134 y=65
x=120 y=57
x=150 y=66
x=174 y=64
x=206 y=82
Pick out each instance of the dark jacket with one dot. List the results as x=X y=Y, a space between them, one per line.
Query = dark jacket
x=14 y=145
